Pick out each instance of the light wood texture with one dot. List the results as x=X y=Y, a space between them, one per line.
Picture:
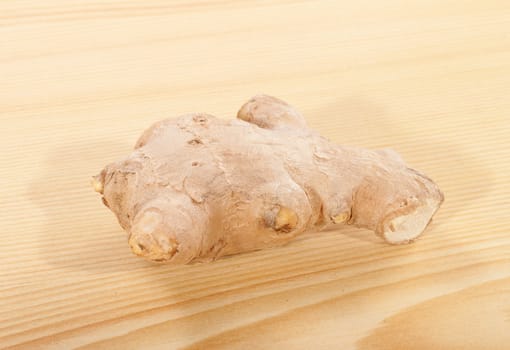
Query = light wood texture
x=81 y=80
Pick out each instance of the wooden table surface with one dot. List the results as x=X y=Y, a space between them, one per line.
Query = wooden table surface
x=81 y=80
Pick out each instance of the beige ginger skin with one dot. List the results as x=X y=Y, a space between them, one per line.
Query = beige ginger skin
x=197 y=187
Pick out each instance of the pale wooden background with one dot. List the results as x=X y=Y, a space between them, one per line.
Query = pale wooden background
x=80 y=80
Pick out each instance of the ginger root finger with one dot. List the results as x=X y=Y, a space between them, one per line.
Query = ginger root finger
x=197 y=187
x=270 y=113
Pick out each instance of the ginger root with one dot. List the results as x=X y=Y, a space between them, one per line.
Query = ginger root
x=197 y=187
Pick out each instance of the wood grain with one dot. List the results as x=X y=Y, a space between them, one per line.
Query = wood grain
x=81 y=80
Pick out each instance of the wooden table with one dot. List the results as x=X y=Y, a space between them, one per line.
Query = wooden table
x=81 y=80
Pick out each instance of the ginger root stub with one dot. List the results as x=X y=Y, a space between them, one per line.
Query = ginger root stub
x=197 y=187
